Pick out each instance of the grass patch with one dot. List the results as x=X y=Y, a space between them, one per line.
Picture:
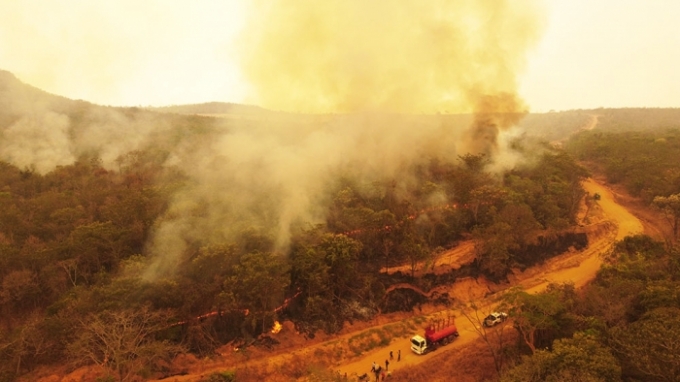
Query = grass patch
x=222 y=376
x=382 y=337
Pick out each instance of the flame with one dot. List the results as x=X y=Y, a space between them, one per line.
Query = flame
x=277 y=327
x=245 y=312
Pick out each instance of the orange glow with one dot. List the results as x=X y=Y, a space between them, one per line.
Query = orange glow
x=277 y=327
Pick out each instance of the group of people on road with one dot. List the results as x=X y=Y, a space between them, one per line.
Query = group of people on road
x=381 y=374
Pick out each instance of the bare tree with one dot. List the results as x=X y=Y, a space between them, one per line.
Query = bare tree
x=71 y=268
x=26 y=344
x=123 y=341
x=493 y=337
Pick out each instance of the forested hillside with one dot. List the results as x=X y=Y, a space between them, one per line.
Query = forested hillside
x=80 y=244
x=128 y=236
x=622 y=326
x=73 y=254
x=552 y=126
x=558 y=126
x=645 y=162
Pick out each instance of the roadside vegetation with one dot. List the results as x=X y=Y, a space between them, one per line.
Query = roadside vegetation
x=73 y=257
x=623 y=326
x=644 y=162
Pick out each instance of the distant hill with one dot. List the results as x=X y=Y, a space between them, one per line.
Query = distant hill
x=555 y=126
x=638 y=119
x=41 y=131
x=211 y=108
x=552 y=126
x=18 y=98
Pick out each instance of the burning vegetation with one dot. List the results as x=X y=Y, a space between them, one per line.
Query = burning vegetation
x=276 y=328
x=229 y=226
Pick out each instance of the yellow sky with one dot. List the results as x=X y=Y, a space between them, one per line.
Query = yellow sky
x=604 y=53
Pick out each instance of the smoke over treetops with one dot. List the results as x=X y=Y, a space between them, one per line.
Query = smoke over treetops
x=414 y=57
x=350 y=56
x=382 y=65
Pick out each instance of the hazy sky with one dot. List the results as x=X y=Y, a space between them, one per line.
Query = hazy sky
x=602 y=53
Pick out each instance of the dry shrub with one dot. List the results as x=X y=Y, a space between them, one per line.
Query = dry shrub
x=303 y=367
x=295 y=366
x=253 y=374
x=183 y=363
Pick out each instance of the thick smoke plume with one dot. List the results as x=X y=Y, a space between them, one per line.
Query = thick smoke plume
x=279 y=174
x=408 y=57
x=379 y=66
x=447 y=56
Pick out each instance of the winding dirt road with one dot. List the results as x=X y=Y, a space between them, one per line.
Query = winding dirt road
x=606 y=221
x=614 y=223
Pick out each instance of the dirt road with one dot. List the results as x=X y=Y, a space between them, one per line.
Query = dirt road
x=577 y=267
x=610 y=222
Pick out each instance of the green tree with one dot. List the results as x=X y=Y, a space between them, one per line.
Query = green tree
x=492 y=248
x=578 y=359
x=97 y=246
x=671 y=208
x=311 y=274
x=384 y=227
x=652 y=344
x=537 y=315
x=257 y=285
x=470 y=176
x=484 y=197
x=325 y=269
x=26 y=344
x=415 y=252
x=341 y=253
x=19 y=291
x=522 y=222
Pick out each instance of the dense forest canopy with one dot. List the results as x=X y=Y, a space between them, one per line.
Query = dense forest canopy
x=129 y=218
x=622 y=326
x=645 y=162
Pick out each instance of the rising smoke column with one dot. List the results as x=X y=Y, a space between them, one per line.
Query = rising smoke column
x=374 y=62
x=410 y=56
x=379 y=66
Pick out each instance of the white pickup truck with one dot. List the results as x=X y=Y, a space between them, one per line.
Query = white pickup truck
x=495 y=318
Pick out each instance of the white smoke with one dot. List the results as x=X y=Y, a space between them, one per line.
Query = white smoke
x=37 y=141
